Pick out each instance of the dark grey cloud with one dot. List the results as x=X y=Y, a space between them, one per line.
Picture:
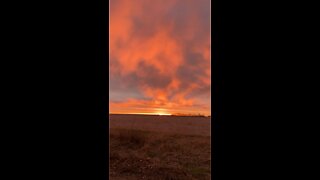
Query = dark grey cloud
x=150 y=76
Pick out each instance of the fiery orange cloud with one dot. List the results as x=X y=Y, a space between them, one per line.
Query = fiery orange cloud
x=160 y=56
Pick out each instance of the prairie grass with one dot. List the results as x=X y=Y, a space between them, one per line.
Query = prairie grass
x=137 y=154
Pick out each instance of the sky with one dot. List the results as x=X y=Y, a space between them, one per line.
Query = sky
x=159 y=57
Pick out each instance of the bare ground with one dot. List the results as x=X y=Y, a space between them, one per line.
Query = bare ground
x=164 y=149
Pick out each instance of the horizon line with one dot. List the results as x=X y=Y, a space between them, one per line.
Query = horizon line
x=159 y=114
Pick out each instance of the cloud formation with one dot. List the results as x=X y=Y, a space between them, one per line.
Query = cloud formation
x=160 y=56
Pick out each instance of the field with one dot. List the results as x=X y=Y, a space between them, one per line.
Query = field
x=159 y=147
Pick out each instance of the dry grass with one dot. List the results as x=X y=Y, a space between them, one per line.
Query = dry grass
x=137 y=154
x=163 y=124
x=129 y=138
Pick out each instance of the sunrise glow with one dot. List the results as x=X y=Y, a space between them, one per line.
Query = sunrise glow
x=160 y=57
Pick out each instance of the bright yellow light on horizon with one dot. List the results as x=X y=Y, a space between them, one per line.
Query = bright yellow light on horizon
x=164 y=114
x=161 y=113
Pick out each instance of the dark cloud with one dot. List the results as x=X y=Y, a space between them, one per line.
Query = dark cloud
x=192 y=70
x=149 y=75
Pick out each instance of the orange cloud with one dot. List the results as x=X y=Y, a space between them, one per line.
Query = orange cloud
x=160 y=54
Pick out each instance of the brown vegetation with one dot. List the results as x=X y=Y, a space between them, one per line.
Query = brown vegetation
x=138 y=154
